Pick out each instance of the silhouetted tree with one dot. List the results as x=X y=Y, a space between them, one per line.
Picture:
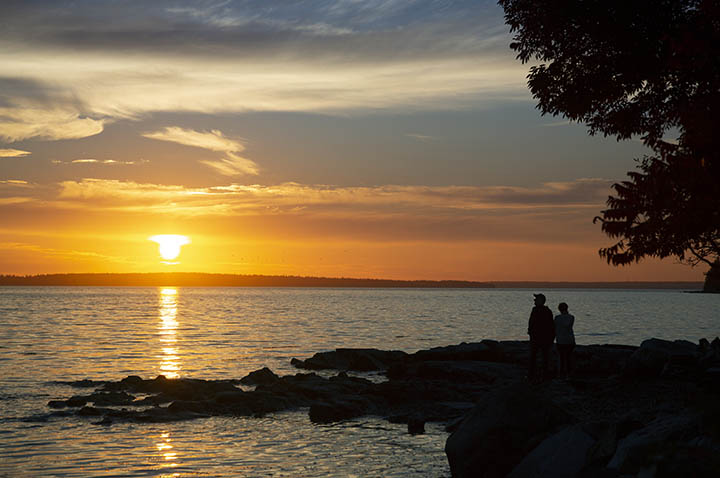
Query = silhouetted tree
x=642 y=68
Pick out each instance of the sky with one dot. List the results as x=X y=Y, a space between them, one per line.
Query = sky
x=350 y=138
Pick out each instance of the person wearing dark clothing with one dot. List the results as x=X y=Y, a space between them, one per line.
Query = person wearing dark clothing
x=541 y=329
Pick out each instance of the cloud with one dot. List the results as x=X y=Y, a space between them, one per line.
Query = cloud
x=13 y=153
x=26 y=120
x=69 y=71
x=424 y=138
x=60 y=253
x=15 y=182
x=232 y=165
x=291 y=198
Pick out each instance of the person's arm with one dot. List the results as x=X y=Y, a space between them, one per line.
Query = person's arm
x=530 y=322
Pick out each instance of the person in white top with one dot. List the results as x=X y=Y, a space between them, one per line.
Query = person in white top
x=565 y=339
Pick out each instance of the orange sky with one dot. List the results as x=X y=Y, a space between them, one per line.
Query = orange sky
x=385 y=139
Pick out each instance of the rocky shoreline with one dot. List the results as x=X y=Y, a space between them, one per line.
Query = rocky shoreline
x=648 y=411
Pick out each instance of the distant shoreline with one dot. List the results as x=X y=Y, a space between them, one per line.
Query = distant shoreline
x=192 y=279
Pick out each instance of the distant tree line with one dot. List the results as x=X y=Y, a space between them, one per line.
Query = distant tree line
x=192 y=279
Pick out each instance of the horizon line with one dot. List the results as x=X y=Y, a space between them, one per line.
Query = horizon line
x=219 y=279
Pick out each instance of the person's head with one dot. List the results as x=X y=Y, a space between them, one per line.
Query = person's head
x=563 y=307
x=539 y=299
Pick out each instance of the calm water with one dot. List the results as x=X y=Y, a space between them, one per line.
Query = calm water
x=63 y=334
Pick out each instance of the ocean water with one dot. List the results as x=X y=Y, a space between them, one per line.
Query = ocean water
x=54 y=334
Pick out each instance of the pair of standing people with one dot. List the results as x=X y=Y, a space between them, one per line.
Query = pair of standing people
x=544 y=330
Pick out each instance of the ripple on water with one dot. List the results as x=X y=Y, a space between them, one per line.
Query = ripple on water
x=55 y=335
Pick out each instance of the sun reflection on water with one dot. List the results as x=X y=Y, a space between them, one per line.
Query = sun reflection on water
x=167 y=456
x=167 y=332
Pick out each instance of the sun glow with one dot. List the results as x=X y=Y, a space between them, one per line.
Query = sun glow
x=169 y=244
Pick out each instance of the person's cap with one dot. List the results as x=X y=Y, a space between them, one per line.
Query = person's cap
x=540 y=296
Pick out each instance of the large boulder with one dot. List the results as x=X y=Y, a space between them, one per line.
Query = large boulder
x=260 y=377
x=496 y=435
x=664 y=444
x=561 y=455
x=657 y=356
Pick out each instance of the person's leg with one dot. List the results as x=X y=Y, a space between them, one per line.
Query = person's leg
x=563 y=353
x=569 y=359
x=533 y=359
x=545 y=351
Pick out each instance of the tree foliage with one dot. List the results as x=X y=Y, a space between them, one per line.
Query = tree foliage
x=641 y=68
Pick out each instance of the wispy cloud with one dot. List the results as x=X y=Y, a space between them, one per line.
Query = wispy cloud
x=60 y=253
x=293 y=197
x=13 y=153
x=424 y=138
x=231 y=165
x=98 y=161
x=23 y=120
x=14 y=182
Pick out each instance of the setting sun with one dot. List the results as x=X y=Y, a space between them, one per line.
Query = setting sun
x=169 y=244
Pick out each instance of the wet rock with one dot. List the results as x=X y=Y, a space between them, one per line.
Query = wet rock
x=262 y=376
x=90 y=412
x=57 y=404
x=187 y=406
x=363 y=360
x=416 y=426
x=76 y=401
x=337 y=410
x=561 y=455
x=500 y=431
x=111 y=398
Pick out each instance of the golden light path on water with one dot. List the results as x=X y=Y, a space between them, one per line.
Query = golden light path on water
x=167 y=331
x=169 y=365
x=167 y=454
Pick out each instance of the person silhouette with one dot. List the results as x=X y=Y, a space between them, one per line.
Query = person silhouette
x=565 y=339
x=541 y=330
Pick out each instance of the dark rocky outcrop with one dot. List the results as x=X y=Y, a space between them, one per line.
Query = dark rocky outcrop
x=362 y=360
x=496 y=435
x=648 y=410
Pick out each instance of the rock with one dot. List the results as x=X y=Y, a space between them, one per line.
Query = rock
x=641 y=448
x=416 y=426
x=455 y=371
x=187 y=406
x=111 y=398
x=500 y=431
x=363 y=360
x=601 y=359
x=561 y=455
x=336 y=411
x=262 y=376
x=76 y=401
x=90 y=411
x=606 y=438
x=651 y=359
x=486 y=351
